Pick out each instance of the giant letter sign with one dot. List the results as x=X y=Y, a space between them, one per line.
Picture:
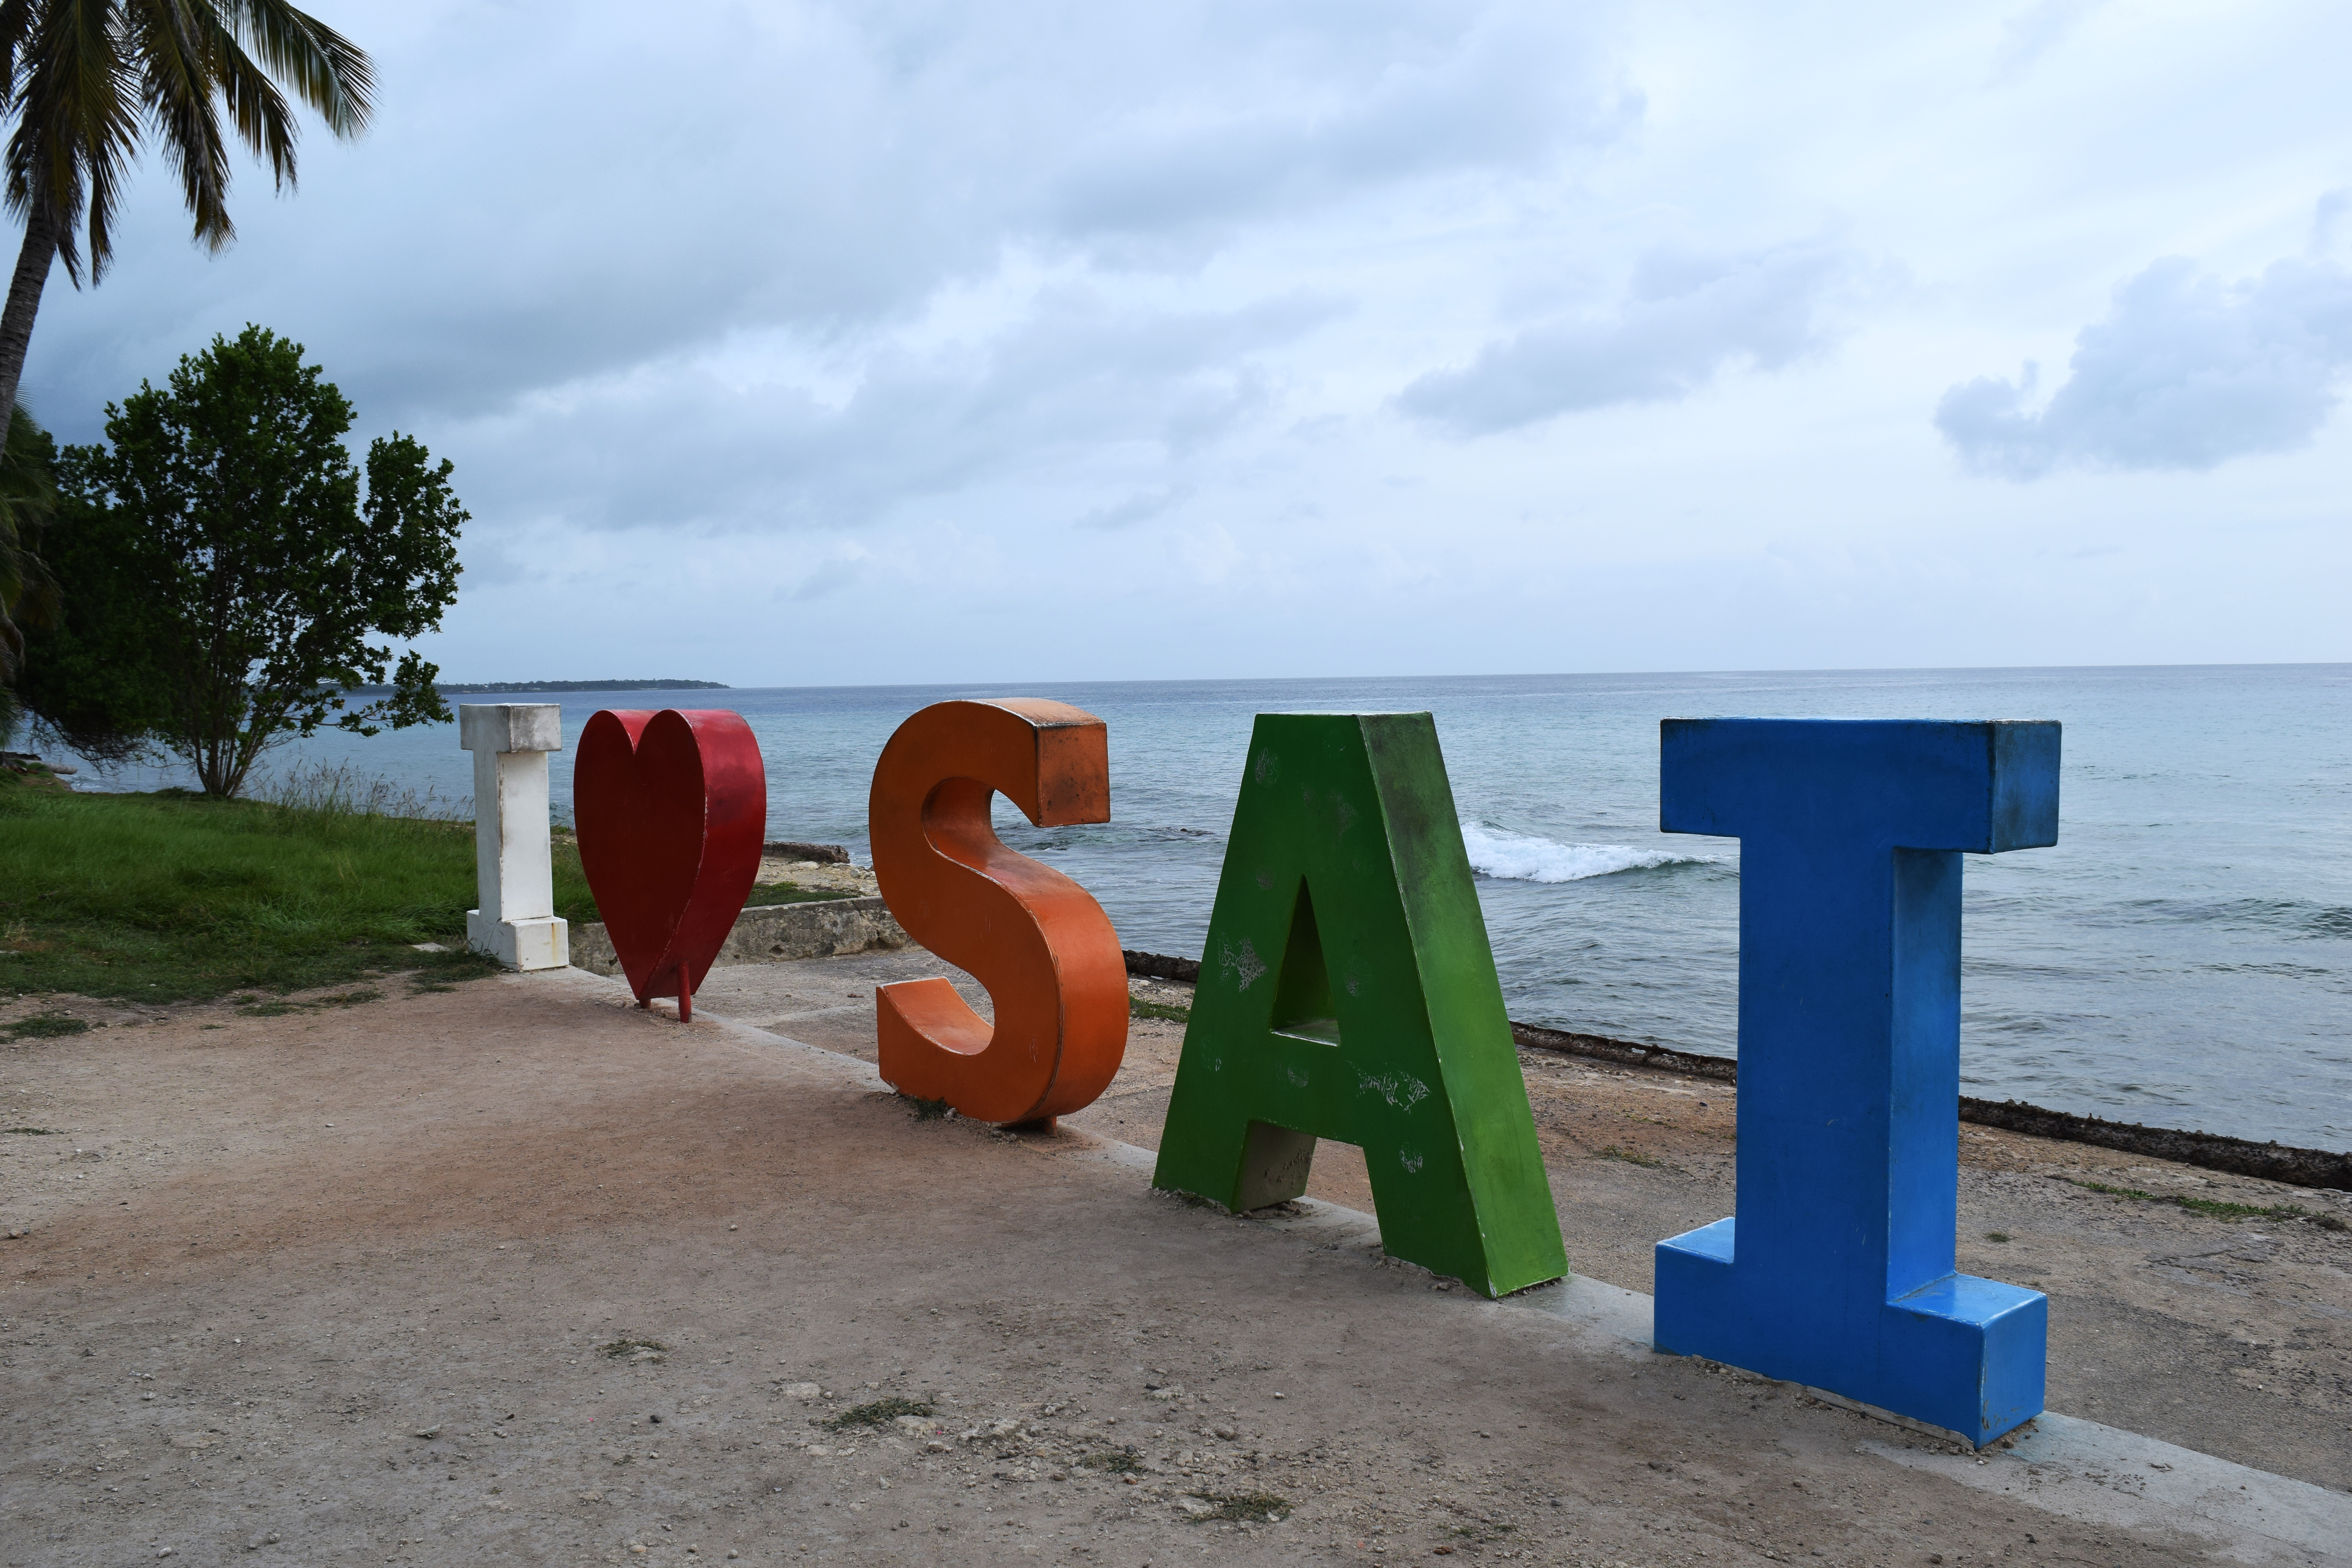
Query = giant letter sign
x=1348 y=992
x=670 y=808
x=1838 y=1271
x=1036 y=939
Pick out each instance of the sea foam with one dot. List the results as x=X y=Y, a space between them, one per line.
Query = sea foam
x=1519 y=857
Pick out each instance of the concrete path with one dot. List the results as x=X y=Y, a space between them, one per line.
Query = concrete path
x=518 y=1273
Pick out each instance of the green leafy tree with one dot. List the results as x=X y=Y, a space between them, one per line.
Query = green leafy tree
x=28 y=591
x=88 y=82
x=90 y=678
x=245 y=568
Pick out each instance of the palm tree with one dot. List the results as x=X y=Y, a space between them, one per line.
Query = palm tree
x=86 y=80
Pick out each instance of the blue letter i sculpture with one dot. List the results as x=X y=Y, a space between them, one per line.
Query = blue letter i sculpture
x=1838 y=1271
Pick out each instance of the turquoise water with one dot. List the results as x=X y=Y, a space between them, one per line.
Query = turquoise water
x=2183 y=956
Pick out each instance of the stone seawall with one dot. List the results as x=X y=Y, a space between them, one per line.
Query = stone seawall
x=773 y=932
x=2269 y=1162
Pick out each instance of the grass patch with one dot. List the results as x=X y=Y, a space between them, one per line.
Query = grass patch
x=1996 y=1235
x=2215 y=1207
x=930 y=1110
x=44 y=1027
x=1242 y=1508
x=879 y=1413
x=176 y=897
x=37 y=1132
x=617 y=1349
x=1115 y=1462
x=1631 y=1157
x=454 y=967
x=348 y=999
x=1167 y=1011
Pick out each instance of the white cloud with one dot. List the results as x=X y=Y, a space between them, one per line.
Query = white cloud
x=2328 y=216
x=765 y=328
x=2028 y=35
x=1491 y=89
x=555 y=194
x=814 y=263
x=2187 y=371
x=1686 y=318
x=1082 y=393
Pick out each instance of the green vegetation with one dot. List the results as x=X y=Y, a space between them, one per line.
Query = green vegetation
x=615 y=1349
x=90 y=83
x=43 y=1027
x=171 y=897
x=348 y=999
x=1115 y=1461
x=2214 y=1207
x=182 y=896
x=1631 y=1157
x=28 y=592
x=1242 y=1508
x=224 y=569
x=1137 y=1008
x=880 y=1413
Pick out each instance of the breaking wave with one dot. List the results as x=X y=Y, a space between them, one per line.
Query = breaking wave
x=1518 y=858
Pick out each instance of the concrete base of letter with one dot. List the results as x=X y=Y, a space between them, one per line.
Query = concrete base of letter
x=543 y=943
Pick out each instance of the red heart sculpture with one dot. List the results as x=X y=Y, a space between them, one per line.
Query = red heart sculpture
x=671 y=809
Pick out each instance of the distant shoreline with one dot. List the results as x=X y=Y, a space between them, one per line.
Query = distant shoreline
x=474 y=689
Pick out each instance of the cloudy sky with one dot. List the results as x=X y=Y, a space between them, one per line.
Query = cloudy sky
x=792 y=343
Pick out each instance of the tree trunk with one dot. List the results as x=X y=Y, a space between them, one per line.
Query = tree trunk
x=32 y=274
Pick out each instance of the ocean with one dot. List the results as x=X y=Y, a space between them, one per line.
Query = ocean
x=2183 y=956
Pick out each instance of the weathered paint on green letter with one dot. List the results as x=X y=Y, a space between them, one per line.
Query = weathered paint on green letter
x=1348 y=992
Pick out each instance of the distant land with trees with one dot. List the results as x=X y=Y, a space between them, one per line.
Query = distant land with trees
x=473 y=689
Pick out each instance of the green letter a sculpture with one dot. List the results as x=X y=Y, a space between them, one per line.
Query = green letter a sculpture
x=1348 y=992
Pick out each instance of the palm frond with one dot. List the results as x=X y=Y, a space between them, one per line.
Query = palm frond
x=258 y=110
x=78 y=126
x=89 y=81
x=178 y=48
x=18 y=22
x=325 y=69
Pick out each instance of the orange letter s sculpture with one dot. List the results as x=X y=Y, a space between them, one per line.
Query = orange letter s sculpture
x=1036 y=939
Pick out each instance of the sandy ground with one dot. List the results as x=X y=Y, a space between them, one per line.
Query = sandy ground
x=2231 y=1338
x=340 y=1284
